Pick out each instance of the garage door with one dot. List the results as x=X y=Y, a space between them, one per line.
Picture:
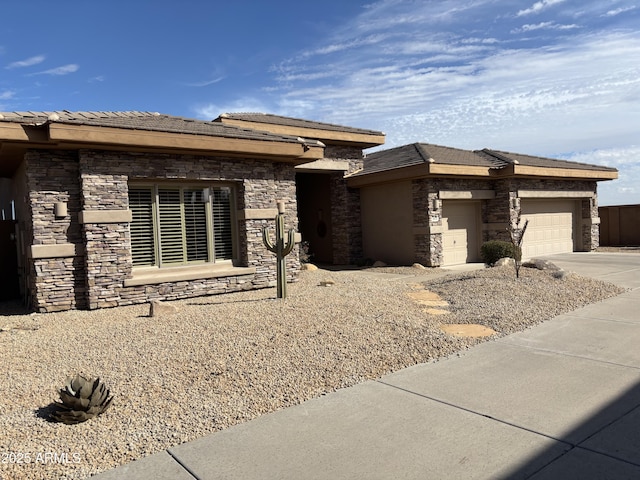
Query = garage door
x=550 y=227
x=460 y=221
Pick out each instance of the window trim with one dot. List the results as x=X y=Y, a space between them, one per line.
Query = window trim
x=155 y=187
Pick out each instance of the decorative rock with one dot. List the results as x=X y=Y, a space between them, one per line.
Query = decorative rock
x=427 y=298
x=327 y=283
x=504 y=262
x=561 y=274
x=467 y=330
x=419 y=266
x=157 y=308
x=309 y=267
x=540 y=264
x=436 y=311
x=379 y=263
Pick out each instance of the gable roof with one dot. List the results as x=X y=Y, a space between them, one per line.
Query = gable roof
x=326 y=132
x=422 y=159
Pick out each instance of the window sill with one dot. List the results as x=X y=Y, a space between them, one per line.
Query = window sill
x=155 y=275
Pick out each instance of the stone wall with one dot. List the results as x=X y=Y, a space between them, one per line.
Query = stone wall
x=497 y=213
x=56 y=283
x=345 y=207
x=93 y=181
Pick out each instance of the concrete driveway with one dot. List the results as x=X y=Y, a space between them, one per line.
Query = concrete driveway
x=558 y=401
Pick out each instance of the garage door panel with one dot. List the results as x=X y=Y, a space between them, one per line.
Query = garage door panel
x=550 y=228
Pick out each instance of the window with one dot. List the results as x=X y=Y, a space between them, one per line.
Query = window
x=180 y=225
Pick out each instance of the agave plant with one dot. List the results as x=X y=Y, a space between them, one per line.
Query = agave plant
x=82 y=398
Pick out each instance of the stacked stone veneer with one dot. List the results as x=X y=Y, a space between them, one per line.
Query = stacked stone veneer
x=345 y=207
x=497 y=213
x=95 y=273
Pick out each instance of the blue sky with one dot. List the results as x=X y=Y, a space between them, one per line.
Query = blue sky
x=557 y=78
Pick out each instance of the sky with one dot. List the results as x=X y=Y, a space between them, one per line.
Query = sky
x=555 y=78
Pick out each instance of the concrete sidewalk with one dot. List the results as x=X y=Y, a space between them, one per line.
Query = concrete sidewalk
x=558 y=401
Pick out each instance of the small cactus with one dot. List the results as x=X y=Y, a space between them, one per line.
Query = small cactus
x=280 y=248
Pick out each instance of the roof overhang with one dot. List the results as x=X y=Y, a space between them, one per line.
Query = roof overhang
x=296 y=152
x=424 y=170
x=359 y=139
x=16 y=138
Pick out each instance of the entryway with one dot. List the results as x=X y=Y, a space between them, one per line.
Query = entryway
x=313 y=191
x=9 y=288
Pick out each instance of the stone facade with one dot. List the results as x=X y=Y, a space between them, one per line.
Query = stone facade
x=345 y=207
x=496 y=213
x=92 y=260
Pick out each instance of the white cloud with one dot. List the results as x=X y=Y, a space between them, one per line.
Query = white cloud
x=210 y=111
x=205 y=83
x=618 y=11
x=27 y=62
x=7 y=95
x=542 y=26
x=63 y=70
x=538 y=7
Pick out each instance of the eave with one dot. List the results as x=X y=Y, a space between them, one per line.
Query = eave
x=363 y=140
x=135 y=139
x=424 y=170
x=569 y=173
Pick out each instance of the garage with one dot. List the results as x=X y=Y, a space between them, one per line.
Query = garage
x=551 y=227
x=460 y=236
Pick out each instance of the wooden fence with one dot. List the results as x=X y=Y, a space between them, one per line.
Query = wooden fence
x=620 y=226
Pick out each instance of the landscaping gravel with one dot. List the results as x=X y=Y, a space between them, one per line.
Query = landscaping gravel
x=226 y=359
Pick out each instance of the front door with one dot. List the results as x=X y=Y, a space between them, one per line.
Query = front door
x=313 y=191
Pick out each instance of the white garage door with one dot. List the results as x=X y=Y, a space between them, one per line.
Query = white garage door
x=460 y=221
x=550 y=227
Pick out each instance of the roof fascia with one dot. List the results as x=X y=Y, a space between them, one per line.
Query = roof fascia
x=364 y=140
x=84 y=134
x=572 y=173
x=388 y=176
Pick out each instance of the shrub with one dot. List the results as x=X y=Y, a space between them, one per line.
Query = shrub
x=494 y=250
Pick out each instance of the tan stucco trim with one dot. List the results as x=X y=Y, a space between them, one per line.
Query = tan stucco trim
x=154 y=275
x=555 y=194
x=564 y=172
x=459 y=170
x=466 y=194
x=13 y=131
x=436 y=229
x=388 y=176
x=257 y=214
x=323 y=165
x=59 y=250
x=105 y=216
x=365 y=139
x=177 y=141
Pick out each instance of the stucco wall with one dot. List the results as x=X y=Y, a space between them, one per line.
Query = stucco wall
x=387 y=223
x=498 y=210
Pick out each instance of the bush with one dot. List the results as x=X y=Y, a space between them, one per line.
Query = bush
x=494 y=250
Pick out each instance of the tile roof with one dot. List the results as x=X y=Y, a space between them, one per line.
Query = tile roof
x=294 y=122
x=418 y=153
x=150 y=121
x=532 y=161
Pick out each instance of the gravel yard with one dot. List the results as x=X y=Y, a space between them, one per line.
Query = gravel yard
x=222 y=360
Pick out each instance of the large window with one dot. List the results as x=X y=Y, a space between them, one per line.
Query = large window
x=179 y=225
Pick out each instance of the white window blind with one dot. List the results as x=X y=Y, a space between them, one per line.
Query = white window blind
x=181 y=224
